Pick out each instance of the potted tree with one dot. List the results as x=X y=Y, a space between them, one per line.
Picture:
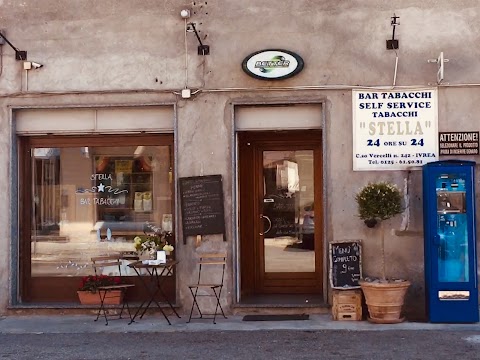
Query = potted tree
x=378 y=202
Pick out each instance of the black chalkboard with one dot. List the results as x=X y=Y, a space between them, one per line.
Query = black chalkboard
x=201 y=200
x=345 y=264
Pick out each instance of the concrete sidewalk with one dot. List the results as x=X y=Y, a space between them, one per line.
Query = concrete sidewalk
x=64 y=324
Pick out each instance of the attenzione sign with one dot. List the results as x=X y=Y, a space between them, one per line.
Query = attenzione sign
x=458 y=143
x=394 y=130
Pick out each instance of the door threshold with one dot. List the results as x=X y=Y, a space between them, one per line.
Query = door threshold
x=274 y=304
x=282 y=301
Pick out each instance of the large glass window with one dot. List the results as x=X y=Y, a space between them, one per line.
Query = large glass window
x=91 y=200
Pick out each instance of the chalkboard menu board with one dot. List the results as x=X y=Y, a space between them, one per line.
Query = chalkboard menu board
x=345 y=264
x=201 y=200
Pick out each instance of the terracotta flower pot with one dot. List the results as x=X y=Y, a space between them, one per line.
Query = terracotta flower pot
x=114 y=297
x=385 y=300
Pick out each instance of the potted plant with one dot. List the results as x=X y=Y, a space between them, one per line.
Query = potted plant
x=378 y=202
x=88 y=292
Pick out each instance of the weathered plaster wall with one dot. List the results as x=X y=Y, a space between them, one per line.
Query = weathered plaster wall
x=140 y=44
x=133 y=52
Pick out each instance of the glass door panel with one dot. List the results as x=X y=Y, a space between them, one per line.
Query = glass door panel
x=288 y=211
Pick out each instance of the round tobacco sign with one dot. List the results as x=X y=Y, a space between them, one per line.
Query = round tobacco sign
x=272 y=64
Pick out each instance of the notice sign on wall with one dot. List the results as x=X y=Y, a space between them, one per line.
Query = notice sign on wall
x=394 y=130
x=458 y=143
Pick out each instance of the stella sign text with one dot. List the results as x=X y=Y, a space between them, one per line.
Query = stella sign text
x=394 y=129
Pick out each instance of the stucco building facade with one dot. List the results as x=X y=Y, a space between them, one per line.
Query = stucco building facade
x=111 y=87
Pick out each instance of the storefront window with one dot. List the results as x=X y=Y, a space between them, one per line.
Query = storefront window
x=91 y=200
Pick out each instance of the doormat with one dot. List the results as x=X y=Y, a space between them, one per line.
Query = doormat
x=285 y=317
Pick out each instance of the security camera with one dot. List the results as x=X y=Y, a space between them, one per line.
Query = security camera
x=36 y=65
x=185 y=13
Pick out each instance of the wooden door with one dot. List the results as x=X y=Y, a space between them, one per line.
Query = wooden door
x=280 y=181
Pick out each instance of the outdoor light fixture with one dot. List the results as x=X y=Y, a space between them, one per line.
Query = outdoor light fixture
x=393 y=44
x=19 y=54
x=202 y=49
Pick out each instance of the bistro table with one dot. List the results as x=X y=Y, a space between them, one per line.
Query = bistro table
x=153 y=281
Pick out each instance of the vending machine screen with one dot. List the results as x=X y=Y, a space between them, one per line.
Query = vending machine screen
x=452 y=228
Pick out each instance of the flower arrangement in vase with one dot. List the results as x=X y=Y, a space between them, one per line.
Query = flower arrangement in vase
x=150 y=244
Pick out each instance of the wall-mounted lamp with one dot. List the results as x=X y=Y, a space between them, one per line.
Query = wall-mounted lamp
x=19 y=54
x=393 y=43
x=202 y=49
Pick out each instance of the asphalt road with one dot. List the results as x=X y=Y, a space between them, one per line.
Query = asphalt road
x=283 y=344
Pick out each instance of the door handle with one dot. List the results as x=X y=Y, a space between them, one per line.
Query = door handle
x=269 y=224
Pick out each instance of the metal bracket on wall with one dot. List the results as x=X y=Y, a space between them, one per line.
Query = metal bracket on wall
x=202 y=49
x=393 y=43
x=441 y=67
x=19 y=54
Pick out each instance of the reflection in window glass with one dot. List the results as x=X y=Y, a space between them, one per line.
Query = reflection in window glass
x=89 y=201
x=288 y=211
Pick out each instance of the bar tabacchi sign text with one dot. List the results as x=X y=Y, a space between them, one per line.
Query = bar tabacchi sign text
x=394 y=130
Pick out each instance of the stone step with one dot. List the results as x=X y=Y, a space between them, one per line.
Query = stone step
x=278 y=310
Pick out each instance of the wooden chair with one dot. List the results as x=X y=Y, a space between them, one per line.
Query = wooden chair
x=214 y=265
x=100 y=263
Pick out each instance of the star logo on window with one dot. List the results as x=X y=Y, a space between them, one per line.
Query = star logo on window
x=101 y=188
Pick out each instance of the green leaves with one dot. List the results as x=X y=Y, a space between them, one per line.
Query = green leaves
x=381 y=200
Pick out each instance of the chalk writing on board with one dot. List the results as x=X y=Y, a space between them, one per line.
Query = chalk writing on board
x=202 y=205
x=345 y=264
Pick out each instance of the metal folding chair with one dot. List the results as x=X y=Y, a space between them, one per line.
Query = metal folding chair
x=212 y=265
x=100 y=263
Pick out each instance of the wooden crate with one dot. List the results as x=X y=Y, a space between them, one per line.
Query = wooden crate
x=347 y=305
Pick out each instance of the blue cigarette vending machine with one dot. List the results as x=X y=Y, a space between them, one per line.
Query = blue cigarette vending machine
x=449 y=240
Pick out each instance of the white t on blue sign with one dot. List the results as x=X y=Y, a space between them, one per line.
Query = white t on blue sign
x=394 y=130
